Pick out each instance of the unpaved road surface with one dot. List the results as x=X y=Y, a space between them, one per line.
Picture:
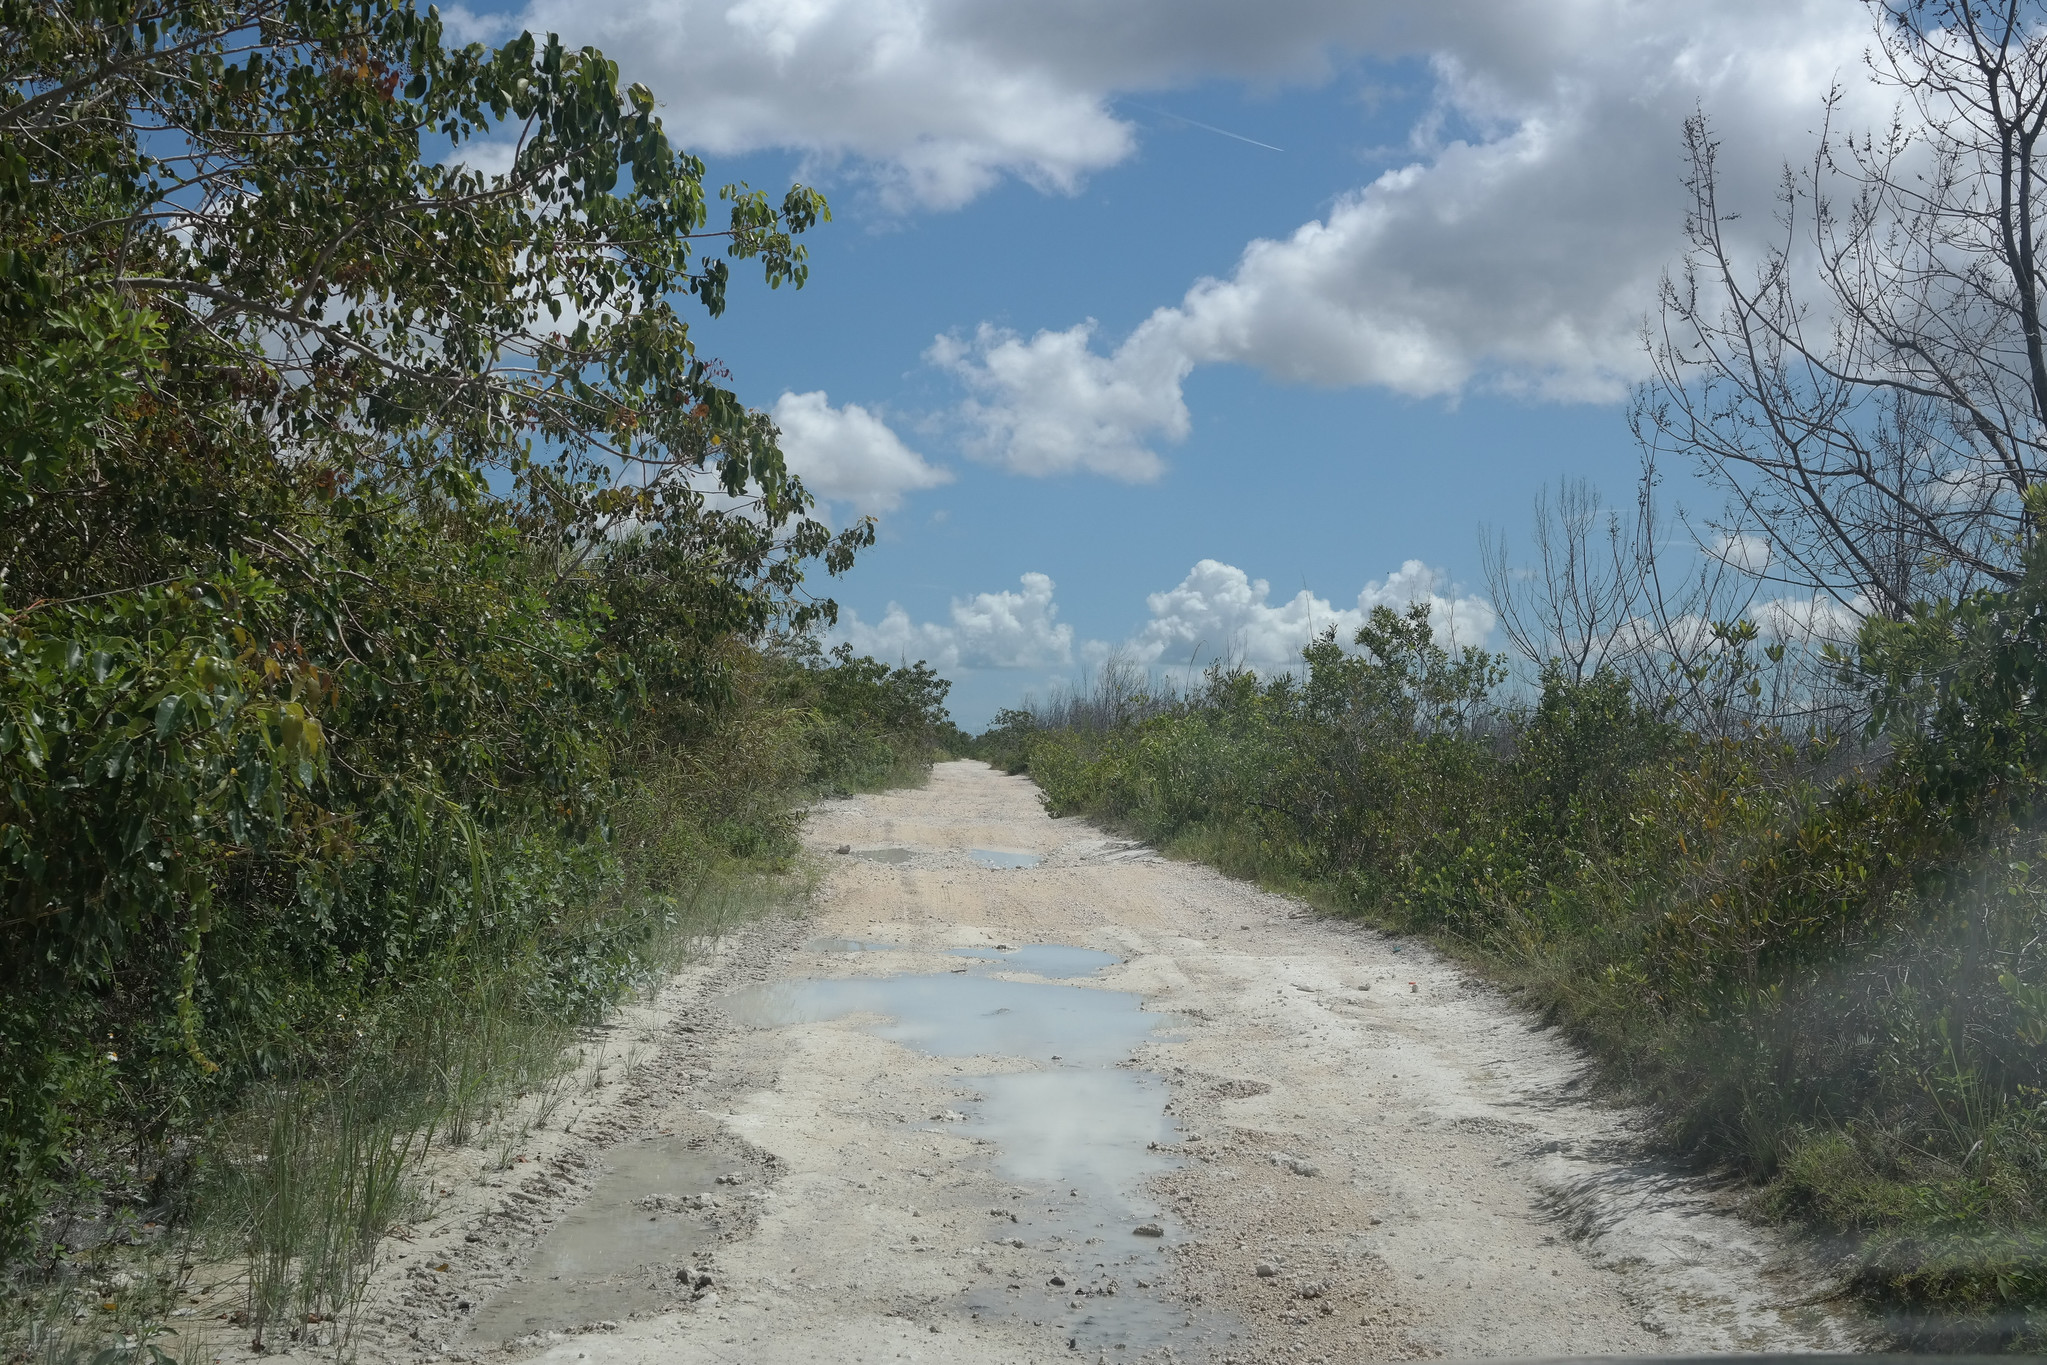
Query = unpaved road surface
x=1103 y=1107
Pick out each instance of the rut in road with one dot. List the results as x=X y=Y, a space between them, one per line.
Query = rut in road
x=1019 y=1091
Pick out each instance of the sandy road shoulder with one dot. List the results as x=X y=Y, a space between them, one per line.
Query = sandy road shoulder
x=654 y=1066
x=1391 y=1153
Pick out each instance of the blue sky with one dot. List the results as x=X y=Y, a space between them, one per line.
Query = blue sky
x=1302 y=485
x=1462 y=234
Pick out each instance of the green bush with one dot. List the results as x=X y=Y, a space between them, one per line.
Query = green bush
x=1819 y=962
x=393 y=605
x=871 y=725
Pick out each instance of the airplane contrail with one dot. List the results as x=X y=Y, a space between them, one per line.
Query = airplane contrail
x=1209 y=127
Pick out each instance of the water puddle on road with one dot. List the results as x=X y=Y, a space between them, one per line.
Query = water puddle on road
x=1043 y=959
x=618 y=1252
x=846 y=945
x=885 y=855
x=963 y=1015
x=1000 y=858
x=1076 y=1136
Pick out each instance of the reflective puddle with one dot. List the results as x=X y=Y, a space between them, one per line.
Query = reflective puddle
x=1044 y=959
x=1074 y=1135
x=996 y=857
x=963 y=1015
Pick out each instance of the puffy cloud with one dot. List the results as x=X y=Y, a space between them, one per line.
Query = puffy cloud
x=1219 y=611
x=1051 y=406
x=939 y=99
x=1515 y=249
x=927 y=108
x=1818 y=619
x=1523 y=254
x=935 y=101
x=849 y=455
x=1750 y=554
x=1518 y=248
x=987 y=630
x=1216 y=611
x=1462 y=619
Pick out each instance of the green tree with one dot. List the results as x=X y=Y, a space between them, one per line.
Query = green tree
x=354 y=500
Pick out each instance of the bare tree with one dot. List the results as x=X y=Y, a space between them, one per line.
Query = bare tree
x=1117 y=692
x=1872 y=392
x=1575 y=604
x=1605 y=594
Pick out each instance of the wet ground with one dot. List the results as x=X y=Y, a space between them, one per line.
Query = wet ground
x=1079 y=1133
x=996 y=858
x=1000 y=858
x=620 y=1252
x=1021 y=1092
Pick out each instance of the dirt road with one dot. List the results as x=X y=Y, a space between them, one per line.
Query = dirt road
x=1018 y=1091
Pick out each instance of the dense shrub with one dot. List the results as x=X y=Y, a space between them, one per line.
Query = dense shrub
x=393 y=605
x=1819 y=955
x=874 y=726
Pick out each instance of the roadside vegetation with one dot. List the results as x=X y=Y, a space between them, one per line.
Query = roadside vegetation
x=1754 y=812
x=405 y=646
x=1821 y=962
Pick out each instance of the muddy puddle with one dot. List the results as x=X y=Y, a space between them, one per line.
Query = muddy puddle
x=885 y=855
x=620 y=1252
x=846 y=945
x=1075 y=1134
x=1001 y=858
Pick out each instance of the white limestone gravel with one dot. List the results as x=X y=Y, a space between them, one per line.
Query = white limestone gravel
x=1363 y=1153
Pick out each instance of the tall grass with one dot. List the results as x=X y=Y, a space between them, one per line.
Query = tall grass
x=303 y=1190
x=301 y=1185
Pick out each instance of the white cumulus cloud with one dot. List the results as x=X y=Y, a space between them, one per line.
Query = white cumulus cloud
x=1216 y=611
x=1750 y=554
x=906 y=91
x=1517 y=249
x=1219 y=611
x=1050 y=405
x=849 y=455
x=987 y=630
x=1818 y=619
